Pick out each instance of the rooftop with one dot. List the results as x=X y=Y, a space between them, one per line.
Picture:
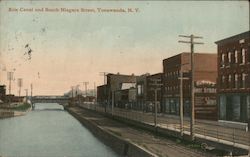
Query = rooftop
x=235 y=37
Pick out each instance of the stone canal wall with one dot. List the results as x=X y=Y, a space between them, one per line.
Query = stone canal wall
x=121 y=146
x=6 y=113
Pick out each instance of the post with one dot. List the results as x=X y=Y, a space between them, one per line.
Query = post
x=10 y=77
x=19 y=83
x=191 y=42
x=72 y=93
x=26 y=95
x=19 y=92
x=113 y=99
x=155 y=117
x=31 y=92
x=181 y=102
x=94 y=92
x=86 y=89
x=156 y=86
x=104 y=74
x=192 y=88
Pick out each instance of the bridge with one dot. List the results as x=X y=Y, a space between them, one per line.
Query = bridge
x=62 y=100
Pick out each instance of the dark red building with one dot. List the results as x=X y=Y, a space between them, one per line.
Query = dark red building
x=205 y=74
x=115 y=82
x=154 y=82
x=145 y=91
x=141 y=95
x=125 y=98
x=233 y=78
x=102 y=95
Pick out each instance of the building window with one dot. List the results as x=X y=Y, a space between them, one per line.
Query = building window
x=223 y=81
x=243 y=56
x=229 y=79
x=229 y=57
x=222 y=60
x=222 y=107
x=236 y=56
x=243 y=80
x=236 y=80
x=247 y=52
x=140 y=89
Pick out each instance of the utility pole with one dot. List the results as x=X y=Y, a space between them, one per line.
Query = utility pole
x=192 y=43
x=31 y=94
x=156 y=86
x=31 y=90
x=72 y=94
x=181 y=97
x=10 y=78
x=94 y=94
x=77 y=94
x=113 y=102
x=86 y=87
x=104 y=74
x=26 y=90
x=20 y=84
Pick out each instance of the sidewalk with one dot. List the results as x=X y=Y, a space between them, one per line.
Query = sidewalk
x=148 y=141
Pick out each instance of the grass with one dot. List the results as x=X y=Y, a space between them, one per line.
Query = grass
x=22 y=107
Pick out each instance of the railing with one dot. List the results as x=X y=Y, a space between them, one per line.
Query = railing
x=210 y=131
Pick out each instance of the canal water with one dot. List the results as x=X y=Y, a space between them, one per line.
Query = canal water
x=49 y=131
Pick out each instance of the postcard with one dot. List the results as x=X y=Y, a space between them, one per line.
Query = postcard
x=124 y=78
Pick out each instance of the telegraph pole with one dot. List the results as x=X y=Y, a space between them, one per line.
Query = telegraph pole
x=192 y=43
x=181 y=98
x=31 y=90
x=181 y=102
x=94 y=90
x=86 y=87
x=26 y=90
x=10 y=78
x=104 y=74
x=20 y=84
x=72 y=94
x=156 y=86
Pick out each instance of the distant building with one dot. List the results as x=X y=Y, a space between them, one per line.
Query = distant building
x=102 y=95
x=141 y=96
x=150 y=99
x=2 y=92
x=234 y=78
x=205 y=74
x=125 y=98
x=13 y=98
x=115 y=82
x=145 y=92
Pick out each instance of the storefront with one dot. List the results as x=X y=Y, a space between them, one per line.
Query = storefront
x=234 y=107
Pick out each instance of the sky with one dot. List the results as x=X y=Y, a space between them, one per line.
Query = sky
x=70 y=48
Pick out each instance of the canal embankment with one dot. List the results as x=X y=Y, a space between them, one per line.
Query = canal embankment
x=14 y=109
x=130 y=141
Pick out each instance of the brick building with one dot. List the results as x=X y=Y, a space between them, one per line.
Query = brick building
x=125 y=98
x=115 y=82
x=233 y=78
x=102 y=95
x=150 y=99
x=205 y=74
x=141 y=96
x=145 y=93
